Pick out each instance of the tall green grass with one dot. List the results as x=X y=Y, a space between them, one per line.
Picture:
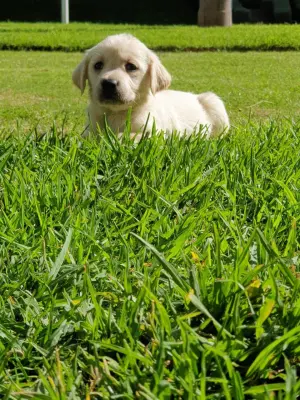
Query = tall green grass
x=164 y=269
x=80 y=36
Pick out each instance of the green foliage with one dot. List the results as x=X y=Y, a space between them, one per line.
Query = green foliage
x=164 y=269
x=80 y=36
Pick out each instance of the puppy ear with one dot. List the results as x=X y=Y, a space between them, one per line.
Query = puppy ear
x=160 y=77
x=79 y=75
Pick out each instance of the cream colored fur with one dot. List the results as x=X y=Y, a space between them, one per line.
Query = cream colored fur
x=144 y=90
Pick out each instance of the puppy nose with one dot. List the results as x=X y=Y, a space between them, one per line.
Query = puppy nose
x=109 y=85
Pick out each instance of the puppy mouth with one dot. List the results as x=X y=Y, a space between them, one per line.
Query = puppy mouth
x=113 y=99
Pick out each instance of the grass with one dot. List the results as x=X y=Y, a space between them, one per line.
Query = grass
x=36 y=86
x=166 y=269
x=80 y=36
x=163 y=269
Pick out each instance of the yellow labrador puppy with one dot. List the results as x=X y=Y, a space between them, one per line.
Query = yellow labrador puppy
x=123 y=73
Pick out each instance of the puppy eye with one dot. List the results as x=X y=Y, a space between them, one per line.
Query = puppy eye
x=98 y=65
x=130 y=67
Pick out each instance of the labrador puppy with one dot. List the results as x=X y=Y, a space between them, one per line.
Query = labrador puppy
x=123 y=74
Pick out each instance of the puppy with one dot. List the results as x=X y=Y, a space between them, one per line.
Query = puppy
x=123 y=73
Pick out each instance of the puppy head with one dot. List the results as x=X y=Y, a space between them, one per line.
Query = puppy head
x=121 y=72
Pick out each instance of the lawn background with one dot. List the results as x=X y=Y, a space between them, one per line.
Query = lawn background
x=80 y=36
x=36 y=87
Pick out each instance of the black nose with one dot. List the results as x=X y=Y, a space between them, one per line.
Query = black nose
x=109 y=88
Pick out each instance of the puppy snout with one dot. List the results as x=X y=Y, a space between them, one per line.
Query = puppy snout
x=109 y=88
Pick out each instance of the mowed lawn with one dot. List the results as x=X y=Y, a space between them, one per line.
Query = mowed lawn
x=81 y=36
x=37 y=86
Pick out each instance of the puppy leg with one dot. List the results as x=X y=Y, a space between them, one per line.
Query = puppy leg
x=216 y=111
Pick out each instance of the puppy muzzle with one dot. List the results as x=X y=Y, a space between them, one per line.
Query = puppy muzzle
x=109 y=90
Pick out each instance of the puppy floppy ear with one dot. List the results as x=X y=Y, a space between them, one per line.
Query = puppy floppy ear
x=79 y=75
x=160 y=77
